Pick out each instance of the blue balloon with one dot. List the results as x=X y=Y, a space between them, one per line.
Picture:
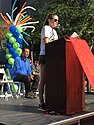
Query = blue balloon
x=14 y=55
x=6 y=62
x=8 y=45
x=8 y=65
x=16 y=34
x=12 y=50
x=19 y=40
x=5 y=87
x=12 y=29
x=7 y=41
x=21 y=46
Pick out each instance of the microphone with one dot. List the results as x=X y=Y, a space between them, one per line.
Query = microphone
x=60 y=30
x=58 y=26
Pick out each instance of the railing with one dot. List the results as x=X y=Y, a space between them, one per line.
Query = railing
x=73 y=120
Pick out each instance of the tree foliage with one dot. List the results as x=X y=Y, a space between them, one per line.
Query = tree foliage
x=74 y=16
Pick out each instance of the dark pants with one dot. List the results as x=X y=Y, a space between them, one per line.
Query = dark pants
x=35 y=83
x=26 y=80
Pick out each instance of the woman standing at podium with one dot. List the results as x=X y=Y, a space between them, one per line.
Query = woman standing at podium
x=48 y=34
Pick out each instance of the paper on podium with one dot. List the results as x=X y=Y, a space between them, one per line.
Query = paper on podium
x=75 y=35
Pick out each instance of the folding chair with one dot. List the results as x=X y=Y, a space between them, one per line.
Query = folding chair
x=4 y=81
x=20 y=92
x=21 y=89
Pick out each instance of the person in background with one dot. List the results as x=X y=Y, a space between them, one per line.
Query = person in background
x=48 y=34
x=30 y=60
x=36 y=74
x=22 y=71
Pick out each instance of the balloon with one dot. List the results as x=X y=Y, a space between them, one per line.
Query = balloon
x=21 y=36
x=21 y=46
x=12 y=50
x=8 y=66
x=12 y=29
x=19 y=40
x=5 y=87
x=20 y=29
x=16 y=45
x=8 y=55
x=7 y=40
x=14 y=55
x=16 y=34
x=8 y=34
x=32 y=27
x=8 y=77
x=7 y=50
x=12 y=40
x=29 y=8
x=11 y=61
x=28 y=23
x=19 y=51
x=14 y=88
x=8 y=45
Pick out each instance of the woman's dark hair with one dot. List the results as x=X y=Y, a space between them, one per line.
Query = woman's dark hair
x=49 y=16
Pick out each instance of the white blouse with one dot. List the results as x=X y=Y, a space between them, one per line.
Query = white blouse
x=47 y=31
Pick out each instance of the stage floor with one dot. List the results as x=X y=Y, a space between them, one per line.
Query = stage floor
x=24 y=111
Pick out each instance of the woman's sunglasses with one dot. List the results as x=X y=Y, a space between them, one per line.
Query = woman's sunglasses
x=55 y=20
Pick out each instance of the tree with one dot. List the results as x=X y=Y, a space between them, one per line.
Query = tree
x=75 y=15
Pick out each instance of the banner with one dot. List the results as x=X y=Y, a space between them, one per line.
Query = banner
x=85 y=57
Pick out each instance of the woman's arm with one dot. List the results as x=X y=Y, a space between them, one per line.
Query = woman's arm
x=46 y=40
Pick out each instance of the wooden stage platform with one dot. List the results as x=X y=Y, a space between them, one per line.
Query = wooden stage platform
x=24 y=111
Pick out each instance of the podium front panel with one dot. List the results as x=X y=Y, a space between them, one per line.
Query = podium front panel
x=64 y=91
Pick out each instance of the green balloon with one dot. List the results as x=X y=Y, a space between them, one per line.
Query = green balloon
x=8 y=77
x=12 y=40
x=16 y=45
x=7 y=50
x=14 y=88
x=19 y=51
x=8 y=55
x=11 y=61
x=8 y=34
x=20 y=29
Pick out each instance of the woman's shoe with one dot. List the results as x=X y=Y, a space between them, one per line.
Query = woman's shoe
x=42 y=107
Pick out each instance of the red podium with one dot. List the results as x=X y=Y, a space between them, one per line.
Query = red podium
x=64 y=78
